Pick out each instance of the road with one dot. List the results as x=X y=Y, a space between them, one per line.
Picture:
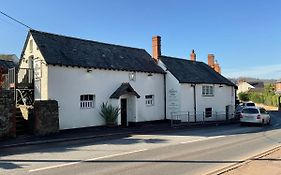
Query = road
x=196 y=151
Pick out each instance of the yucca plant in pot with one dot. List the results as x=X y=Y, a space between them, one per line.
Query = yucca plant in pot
x=109 y=113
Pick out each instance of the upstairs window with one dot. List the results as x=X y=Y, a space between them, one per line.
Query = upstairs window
x=208 y=91
x=87 y=101
x=31 y=46
x=149 y=100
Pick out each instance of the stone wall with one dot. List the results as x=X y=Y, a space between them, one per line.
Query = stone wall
x=45 y=117
x=7 y=114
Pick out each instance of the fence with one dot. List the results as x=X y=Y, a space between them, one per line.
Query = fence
x=199 y=117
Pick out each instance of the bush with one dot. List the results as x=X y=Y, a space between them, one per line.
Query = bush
x=109 y=113
x=243 y=96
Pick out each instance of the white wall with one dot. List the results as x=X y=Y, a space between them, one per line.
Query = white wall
x=180 y=96
x=66 y=84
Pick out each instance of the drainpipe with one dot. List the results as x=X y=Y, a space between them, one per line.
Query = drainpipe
x=194 y=100
x=165 y=98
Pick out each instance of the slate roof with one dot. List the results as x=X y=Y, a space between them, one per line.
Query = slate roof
x=125 y=88
x=187 y=71
x=69 y=51
x=7 y=61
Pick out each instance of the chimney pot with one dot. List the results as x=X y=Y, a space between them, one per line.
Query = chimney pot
x=193 y=55
x=156 y=47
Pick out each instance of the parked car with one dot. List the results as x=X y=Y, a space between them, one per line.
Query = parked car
x=254 y=114
x=240 y=107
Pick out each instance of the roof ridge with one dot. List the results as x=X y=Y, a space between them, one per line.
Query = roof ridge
x=86 y=40
x=181 y=59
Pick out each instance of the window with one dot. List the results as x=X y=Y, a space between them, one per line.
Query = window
x=87 y=101
x=250 y=111
x=263 y=111
x=31 y=46
x=208 y=112
x=149 y=100
x=208 y=90
x=132 y=76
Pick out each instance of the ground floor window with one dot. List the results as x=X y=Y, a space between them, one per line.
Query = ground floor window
x=149 y=100
x=87 y=101
x=208 y=112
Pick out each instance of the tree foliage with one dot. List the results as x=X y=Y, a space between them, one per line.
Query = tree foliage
x=2 y=77
x=243 y=96
x=267 y=97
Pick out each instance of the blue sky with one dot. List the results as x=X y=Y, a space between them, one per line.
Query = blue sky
x=245 y=35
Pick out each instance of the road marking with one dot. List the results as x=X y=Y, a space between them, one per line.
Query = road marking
x=200 y=139
x=87 y=160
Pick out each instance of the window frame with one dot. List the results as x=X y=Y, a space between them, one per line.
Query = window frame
x=208 y=91
x=149 y=100
x=87 y=101
x=208 y=112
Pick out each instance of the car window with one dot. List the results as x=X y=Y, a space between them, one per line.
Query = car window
x=263 y=111
x=250 y=104
x=250 y=111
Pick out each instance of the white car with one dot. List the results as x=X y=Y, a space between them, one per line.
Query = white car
x=254 y=115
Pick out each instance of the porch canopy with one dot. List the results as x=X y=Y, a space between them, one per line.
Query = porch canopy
x=125 y=88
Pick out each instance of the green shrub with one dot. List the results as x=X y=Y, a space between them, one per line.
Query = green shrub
x=109 y=113
x=243 y=96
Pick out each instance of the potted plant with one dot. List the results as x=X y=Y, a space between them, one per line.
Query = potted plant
x=109 y=113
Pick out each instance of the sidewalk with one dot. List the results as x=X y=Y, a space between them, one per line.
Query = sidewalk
x=270 y=163
x=96 y=132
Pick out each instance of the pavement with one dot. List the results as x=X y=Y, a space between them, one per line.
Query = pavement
x=98 y=132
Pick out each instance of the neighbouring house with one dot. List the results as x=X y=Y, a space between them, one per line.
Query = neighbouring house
x=7 y=61
x=244 y=86
x=82 y=74
x=194 y=86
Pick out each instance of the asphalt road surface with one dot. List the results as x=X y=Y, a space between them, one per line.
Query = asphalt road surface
x=190 y=151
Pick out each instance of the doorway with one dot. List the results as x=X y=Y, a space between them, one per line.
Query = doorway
x=124 y=112
x=227 y=112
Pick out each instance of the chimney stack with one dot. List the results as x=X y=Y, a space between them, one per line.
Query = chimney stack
x=211 y=60
x=156 y=47
x=193 y=55
x=217 y=67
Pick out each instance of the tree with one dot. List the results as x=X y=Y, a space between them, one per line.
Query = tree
x=2 y=77
x=243 y=96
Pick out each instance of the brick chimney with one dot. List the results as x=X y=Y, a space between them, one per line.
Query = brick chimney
x=211 y=60
x=156 y=47
x=193 y=55
x=217 y=67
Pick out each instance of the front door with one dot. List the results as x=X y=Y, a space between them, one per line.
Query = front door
x=123 y=112
x=227 y=108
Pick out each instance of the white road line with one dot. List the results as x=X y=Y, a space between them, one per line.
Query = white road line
x=87 y=160
x=200 y=139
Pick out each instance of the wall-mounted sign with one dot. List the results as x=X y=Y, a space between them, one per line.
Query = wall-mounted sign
x=173 y=100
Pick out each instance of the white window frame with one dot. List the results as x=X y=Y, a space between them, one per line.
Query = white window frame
x=149 y=100
x=207 y=91
x=87 y=101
